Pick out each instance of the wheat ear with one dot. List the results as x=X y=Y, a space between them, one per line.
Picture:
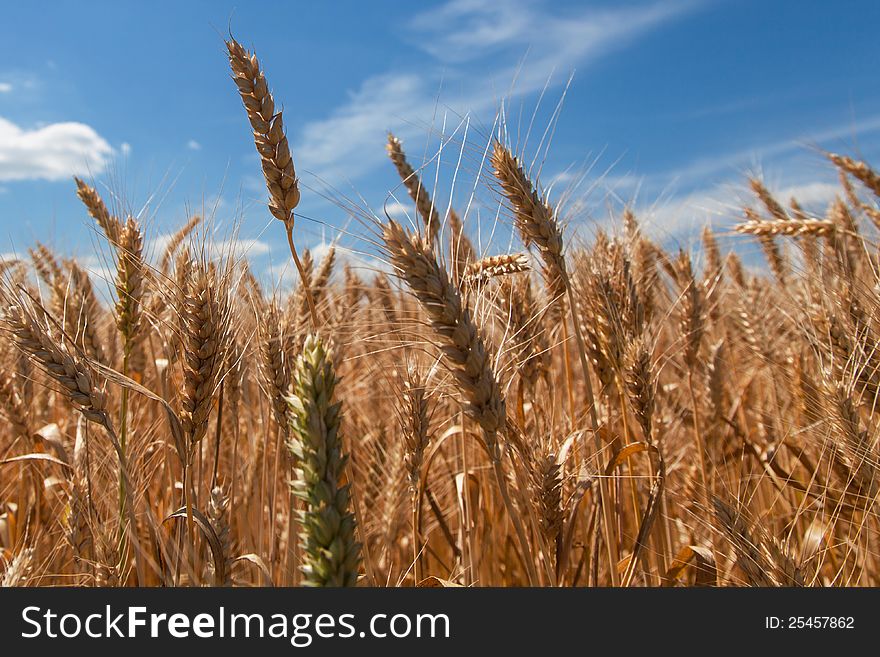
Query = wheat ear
x=792 y=227
x=175 y=241
x=485 y=269
x=32 y=330
x=465 y=349
x=110 y=224
x=130 y=271
x=272 y=145
x=206 y=329
x=414 y=186
x=331 y=556
x=534 y=218
x=861 y=171
x=462 y=341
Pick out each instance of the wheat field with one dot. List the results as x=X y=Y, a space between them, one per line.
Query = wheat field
x=566 y=414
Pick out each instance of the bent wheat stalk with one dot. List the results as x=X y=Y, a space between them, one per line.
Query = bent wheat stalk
x=34 y=332
x=465 y=349
x=537 y=224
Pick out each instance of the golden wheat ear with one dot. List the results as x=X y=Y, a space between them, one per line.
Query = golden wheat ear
x=110 y=224
x=414 y=186
x=464 y=347
x=268 y=128
x=534 y=218
x=272 y=146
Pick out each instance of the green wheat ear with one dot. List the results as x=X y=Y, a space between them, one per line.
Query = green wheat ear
x=331 y=555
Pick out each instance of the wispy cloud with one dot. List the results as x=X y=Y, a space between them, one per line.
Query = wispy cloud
x=676 y=216
x=193 y=145
x=51 y=152
x=231 y=248
x=346 y=143
x=478 y=27
x=702 y=169
x=712 y=189
x=673 y=202
x=463 y=30
x=812 y=195
x=399 y=211
x=721 y=207
x=5 y=87
x=463 y=39
x=238 y=248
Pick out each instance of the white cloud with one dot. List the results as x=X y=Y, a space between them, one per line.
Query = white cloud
x=478 y=27
x=812 y=195
x=239 y=248
x=319 y=251
x=398 y=211
x=102 y=271
x=193 y=145
x=125 y=148
x=344 y=256
x=231 y=248
x=562 y=178
x=5 y=87
x=682 y=214
x=348 y=143
x=51 y=152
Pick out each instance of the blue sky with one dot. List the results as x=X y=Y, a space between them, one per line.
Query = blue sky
x=670 y=105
